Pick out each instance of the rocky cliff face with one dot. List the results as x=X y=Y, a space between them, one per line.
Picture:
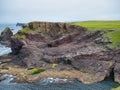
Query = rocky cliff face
x=46 y=31
x=63 y=47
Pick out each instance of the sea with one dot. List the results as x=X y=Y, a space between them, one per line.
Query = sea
x=47 y=84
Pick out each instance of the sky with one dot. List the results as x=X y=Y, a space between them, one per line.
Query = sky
x=12 y=11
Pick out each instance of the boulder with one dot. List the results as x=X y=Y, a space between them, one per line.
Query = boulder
x=1 y=79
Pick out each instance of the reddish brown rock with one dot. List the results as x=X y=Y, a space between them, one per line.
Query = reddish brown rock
x=61 y=46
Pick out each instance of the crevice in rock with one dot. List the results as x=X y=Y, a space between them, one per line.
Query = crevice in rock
x=49 y=45
x=112 y=73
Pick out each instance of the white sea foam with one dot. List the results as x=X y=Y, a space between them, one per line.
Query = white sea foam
x=7 y=78
x=4 y=50
x=53 y=80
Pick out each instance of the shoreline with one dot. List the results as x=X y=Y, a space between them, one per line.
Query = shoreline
x=22 y=75
x=46 y=83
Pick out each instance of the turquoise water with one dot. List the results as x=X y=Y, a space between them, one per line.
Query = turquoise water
x=107 y=84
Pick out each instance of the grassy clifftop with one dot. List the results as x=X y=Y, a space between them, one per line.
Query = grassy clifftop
x=101 y=25
x=112 y=29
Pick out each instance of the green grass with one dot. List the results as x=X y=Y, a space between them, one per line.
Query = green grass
x=35 y=71
x=20 y=36
x=27 y=30
x=54 y=65
x=30 y=31
x=105 y=26
x=118 y=88
x=114 y=38
x=5 y=30
x=101 y=25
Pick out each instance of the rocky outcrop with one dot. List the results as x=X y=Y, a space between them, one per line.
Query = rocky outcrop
x=20 y=24
x=96 y=70
x=62 y=47
x=49 y=31
x=6 y=34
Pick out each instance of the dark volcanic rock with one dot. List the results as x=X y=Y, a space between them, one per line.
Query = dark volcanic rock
x=6 y=35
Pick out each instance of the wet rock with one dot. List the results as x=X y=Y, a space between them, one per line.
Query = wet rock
x=1 y=79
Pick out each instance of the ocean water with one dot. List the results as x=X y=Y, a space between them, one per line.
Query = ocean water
x=4 y=49
x=107 y=84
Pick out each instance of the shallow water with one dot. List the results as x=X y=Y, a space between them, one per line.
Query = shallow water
x=107 y=84
x=75 y=85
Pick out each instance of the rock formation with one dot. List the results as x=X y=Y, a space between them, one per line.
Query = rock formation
x=60 y=47
x=6 y=34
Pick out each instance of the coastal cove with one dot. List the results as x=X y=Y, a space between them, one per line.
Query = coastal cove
x=52 y=49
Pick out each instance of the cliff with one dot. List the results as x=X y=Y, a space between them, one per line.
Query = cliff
x=63 y=50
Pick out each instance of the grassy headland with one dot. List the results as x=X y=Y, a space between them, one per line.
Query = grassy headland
x=112 y=29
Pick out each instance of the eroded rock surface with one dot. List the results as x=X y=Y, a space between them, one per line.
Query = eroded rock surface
x=117 y=72
x=60 y=48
